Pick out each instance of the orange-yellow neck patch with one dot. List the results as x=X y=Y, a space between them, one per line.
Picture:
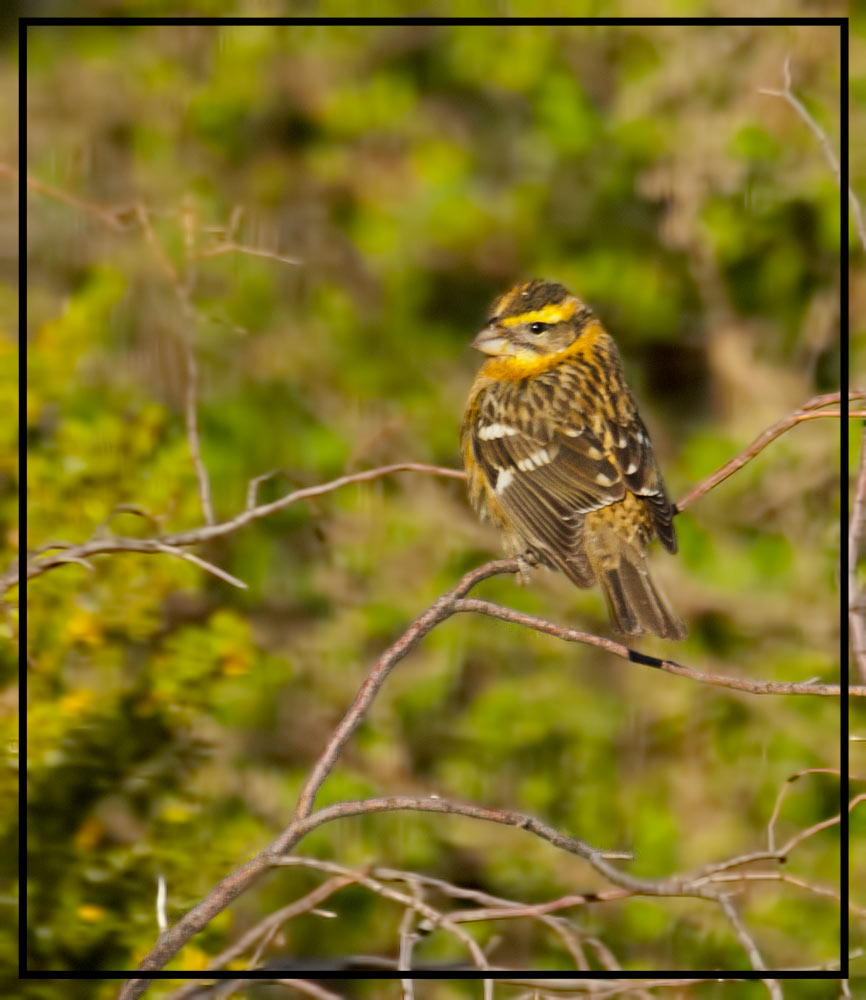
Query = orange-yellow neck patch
x=552 y=313
x=525 y=365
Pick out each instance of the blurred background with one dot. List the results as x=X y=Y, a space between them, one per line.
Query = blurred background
x=414 y=173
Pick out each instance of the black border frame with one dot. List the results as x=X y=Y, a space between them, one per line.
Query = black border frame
x=842 y=23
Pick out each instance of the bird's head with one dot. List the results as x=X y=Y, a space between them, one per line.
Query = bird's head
x=531 y=320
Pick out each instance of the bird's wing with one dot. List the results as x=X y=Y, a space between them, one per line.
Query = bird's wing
x=546 y=478
x=629 y=448
x=546 y=474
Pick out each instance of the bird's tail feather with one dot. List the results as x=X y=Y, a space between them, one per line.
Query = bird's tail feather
x=636 y=604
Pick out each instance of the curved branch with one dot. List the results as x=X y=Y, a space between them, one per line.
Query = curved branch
x=788 y=95
x=37 y=563
x=805 y=412
x=667 y=666
x=305 y=820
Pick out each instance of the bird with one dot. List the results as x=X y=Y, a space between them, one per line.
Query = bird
x=558 y=459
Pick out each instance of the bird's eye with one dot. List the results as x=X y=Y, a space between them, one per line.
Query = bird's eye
x=537 y=327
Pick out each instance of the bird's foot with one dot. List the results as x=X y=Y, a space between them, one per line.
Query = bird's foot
x=525 y=562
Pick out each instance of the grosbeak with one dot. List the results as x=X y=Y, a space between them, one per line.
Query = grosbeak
x=557 y=457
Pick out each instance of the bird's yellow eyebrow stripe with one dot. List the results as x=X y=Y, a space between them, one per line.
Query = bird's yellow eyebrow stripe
x=552 y=313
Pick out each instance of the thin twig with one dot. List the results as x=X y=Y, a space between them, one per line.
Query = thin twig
x=787 y=94
x=825 y=824
x=111 y=217
x=436 y=918
x=227 y=890
x=856 y=536
x=783 y=792
x=857 y=527
x=746 y=940
x=258 y=935
x=817 y=890
x=145 y=546
x=36 y=566
x=181 y=289
x=232 y=247
x=208 y=567
x=496 y=906
x=758 y=445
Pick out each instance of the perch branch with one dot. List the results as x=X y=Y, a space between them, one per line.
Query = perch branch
x=37 y=563
x=667 y=666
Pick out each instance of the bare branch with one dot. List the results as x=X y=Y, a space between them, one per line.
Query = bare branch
x=208 y=567
x=111 y=217
x=788 y=95
x=232 y=247
x=253 y=488
x=264 y=929
x=436 y=613
x=798 y=838
x=783 y=792
x=805 y=412
x=745 y=938
x=856 y=596
x=667 y=666
x=817 y=890
x=182 y=292
x=436 y=918
x=699 y=886
x=146 y=546
x=748 y=943
x=100 y=546
x=169 y=943
x=497 y=907
x=36 y=566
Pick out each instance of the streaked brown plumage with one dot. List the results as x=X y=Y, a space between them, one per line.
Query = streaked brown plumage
x=558 y=458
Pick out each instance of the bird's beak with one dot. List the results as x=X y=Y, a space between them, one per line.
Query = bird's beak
x=491 y=341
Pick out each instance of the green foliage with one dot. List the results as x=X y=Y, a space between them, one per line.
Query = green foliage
x=415 y=172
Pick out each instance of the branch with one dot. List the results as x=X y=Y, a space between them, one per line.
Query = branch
x=856 y=596
x=170 y=942
x=111 y=217
x=305 y=820
x=232 y=247
x=441 y=609
x=806 y=412
x=37 y=564
x=749 y=945
x=116 y=219
x=497 y=908
x=263 y=932
x=181 y=290
x=668 y=666
x=857 y=528
x=783 y=794
x=791 y=98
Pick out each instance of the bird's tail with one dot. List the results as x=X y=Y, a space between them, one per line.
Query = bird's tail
x=636 y=604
